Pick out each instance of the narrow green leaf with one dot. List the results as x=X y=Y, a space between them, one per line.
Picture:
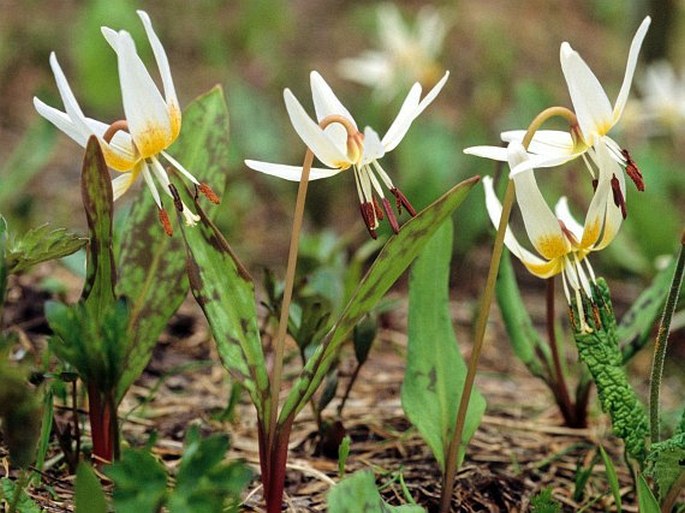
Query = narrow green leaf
x=393 y=260
x=96 y=191
x=40 y=245
x=225 y=292
x=436 y=371
x=612 y=478
x=524 y=338
x=358 y=494
x=88 y=496
x=140 y=482
x=152 y=264
x=646 y=501
x=45 y=429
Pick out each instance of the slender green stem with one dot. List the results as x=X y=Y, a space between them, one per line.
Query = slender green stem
x=661 y=343
x=277 y=371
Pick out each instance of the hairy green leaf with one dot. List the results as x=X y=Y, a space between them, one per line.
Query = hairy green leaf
x=88 y=494
x=435 y=374
x=140 y=482
x=393 y=260
x=225 y=292
x=151 y=264
x=358 y=494
x=40 y=245
x=598 y=347
x=666 y=462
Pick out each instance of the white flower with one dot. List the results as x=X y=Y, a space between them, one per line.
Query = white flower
x=561 y=243
x=662 y=106
x=338 y=144
x=407 y=53
x=595 y=117
x=131 y=146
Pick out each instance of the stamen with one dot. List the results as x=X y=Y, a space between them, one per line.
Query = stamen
x=391 y=215
x=121 y=124
x=619 y=200
x=166 y=223
x=368 y=214
x=209 y=193
x=377 y=209
x=595 y=182
x=178 y=203
x=633 y=171
x=402 y=201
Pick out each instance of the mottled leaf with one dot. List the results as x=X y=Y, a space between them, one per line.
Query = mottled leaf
x=152 y=264
x=40 y=245
x=88 y=494
x=435 y=374
x=225 y=292
x=358 y=494
x=392 y=261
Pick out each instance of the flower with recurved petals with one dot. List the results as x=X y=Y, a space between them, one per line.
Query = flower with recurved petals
x=336 y=141
x=132 y=146
x=561 y=242
x=595 y=117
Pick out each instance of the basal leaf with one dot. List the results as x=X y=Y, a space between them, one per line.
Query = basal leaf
x=88 y=496
x=392 y=261
x=96 y=192
x=40 y=245
x=435 y=374
x=152 y=265
x=140 y=482
x=612 y=478
x=225 y=292
x=647 y=503
x=358 y=493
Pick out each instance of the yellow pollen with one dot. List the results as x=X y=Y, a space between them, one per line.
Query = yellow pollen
x=590 y=234
x=551 y=246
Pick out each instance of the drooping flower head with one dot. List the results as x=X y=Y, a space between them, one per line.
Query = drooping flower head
x=337 y=142
x=561 y=243
x=596 y=117
x=407 y=52
x=132 y=146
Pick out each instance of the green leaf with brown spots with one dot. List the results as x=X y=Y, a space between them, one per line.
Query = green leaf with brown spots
x=152 y=265
x=435 y=374
x=96 y=192
x=225 y=292
x=392 y=261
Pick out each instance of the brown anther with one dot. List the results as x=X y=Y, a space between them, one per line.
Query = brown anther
x=178 y=203
x=122 y=124
x=209 y=193
x=595 y=315
x=377 y=209
x=619 y=200
x=633 y=171
x=166 y=223
x=367 y=211
x=595 y=182
x=391 y=216
x=402 y=201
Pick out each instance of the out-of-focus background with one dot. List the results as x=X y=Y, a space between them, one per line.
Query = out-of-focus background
x=504 y=63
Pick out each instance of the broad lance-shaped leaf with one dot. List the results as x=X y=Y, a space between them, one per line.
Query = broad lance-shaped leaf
x=525 y=340
x=151 y=264
x=392 y=261
x=436 y=371
x=96 y=191
x=225 y=291
x=358 y=494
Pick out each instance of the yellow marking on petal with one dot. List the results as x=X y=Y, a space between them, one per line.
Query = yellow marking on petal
x=590 y=233
x=174 y=121
x=551 y=246
x=546 y=270
x=153 y=139
x=116 y=160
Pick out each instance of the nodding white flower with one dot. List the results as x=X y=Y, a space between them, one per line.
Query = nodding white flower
x=152 y=122
x=562 y=244
x=662 y=106
x=407 y=53
x=595 y=117
x=336 y=141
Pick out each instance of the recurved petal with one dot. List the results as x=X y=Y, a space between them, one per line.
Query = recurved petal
x=325 y=149
x=563 y=213
x=71 y=106
x=373 y=148
x=326 y=103
x=432 y=94
x=589 y=100
x=121 y=184
x=635 y=46
x=161 y=58
x=498 y=153
x=544 y=142
x=292 y=173
x=61 y=121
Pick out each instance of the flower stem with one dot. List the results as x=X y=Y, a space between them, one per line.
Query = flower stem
x=277 y=371
x=661 y=343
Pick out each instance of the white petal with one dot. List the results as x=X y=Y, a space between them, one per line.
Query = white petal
x=161 y=58
x=563 y=213
x=312 y=135
x=543 y=161
x=145 y=109
x=498 y=153
x=630 y=68
x=292 y=173
x=71 y=106
x=373 y=148
x=121 y=184
x=433 y=93
x=61 y=121
x=180 y=168
x=151 y=185
x=590 y=102
x=326 y=103
x=545 y=142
